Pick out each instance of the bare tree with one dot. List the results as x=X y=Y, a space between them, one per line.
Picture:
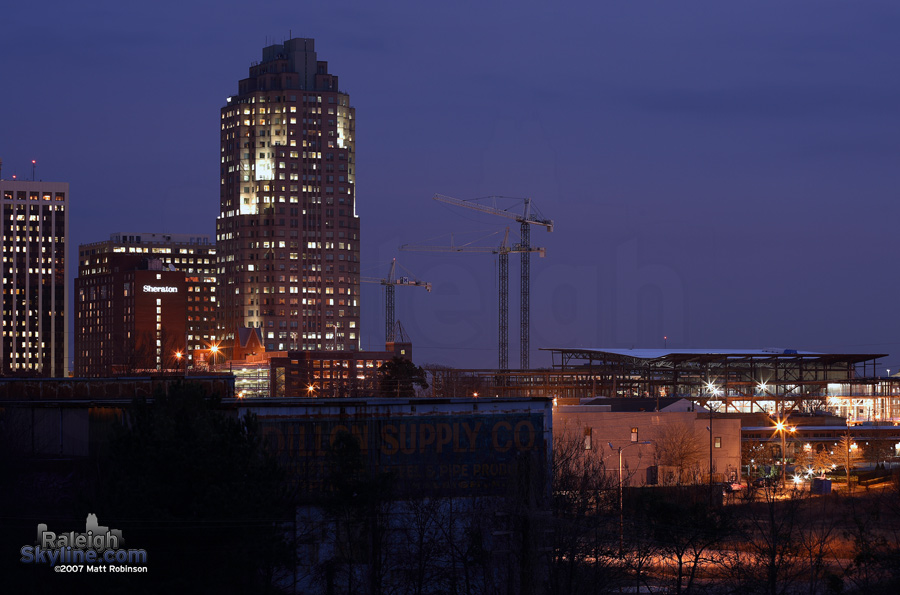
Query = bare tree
x=679 y=453
x=767 y=560
x=878 y=451
x=873 y=528
x=584 y=506
x=687 y=530
x=815 y=540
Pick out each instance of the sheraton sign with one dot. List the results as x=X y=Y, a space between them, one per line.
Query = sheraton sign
x=159 y=289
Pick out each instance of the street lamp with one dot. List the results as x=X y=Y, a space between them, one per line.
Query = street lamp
x=851 y=446
x=213 y=351
x=782 y=428
x=621 y=507
x=178 y=356
x=715 y=391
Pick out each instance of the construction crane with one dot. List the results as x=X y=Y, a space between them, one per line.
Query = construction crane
x=389 y=283
x=525 y=219
x=503 y=250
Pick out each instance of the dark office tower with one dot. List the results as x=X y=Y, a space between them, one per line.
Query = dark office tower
x=287 y=231
x=34 y=270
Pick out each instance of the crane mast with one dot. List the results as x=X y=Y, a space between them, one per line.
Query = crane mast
x=389 y=283
x=526 y=220
x=503 y=314
x=503 y=251
x=525 y=300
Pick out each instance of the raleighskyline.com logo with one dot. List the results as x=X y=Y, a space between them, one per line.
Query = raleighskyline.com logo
x=98 y=549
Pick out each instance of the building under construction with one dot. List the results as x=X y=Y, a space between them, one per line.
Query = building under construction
x=771 y=381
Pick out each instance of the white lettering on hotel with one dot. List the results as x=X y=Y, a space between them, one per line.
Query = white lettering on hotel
x=159 y=289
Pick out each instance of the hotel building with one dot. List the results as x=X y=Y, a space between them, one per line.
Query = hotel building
x=287 y=231
x=34 y=270
x=113 y=319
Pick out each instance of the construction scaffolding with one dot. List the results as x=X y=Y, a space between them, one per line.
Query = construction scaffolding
x=773 y=382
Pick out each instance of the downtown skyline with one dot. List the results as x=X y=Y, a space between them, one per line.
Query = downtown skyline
x=718 y=175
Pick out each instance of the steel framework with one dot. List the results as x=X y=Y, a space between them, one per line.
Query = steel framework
x=764 y=381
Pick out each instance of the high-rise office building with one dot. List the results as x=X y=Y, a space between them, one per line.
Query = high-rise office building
x=144 y=301
x=34 y=270
x=287 y=232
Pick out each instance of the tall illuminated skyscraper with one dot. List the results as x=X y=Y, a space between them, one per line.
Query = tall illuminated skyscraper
x=34 y=270
x=287 y=231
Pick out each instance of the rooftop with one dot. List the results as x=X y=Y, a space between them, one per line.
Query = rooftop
x=709 y=355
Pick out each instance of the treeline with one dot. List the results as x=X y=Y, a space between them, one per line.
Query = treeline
x=560 y=530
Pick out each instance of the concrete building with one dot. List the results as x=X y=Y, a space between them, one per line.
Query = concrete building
x=100 y=324
x=34 y=270
x=682 y=444
x=287 y=230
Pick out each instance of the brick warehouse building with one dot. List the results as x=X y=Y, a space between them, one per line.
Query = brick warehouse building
x=34 y=269
x=287 y=231
x=300 y=374
x=193 y=256
x=130 y=319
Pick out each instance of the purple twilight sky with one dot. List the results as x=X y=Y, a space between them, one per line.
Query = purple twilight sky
x=721 y=173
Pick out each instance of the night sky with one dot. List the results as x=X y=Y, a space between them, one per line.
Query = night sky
x=723 y=175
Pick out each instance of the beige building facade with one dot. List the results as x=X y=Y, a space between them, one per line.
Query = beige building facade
x=657 y=447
